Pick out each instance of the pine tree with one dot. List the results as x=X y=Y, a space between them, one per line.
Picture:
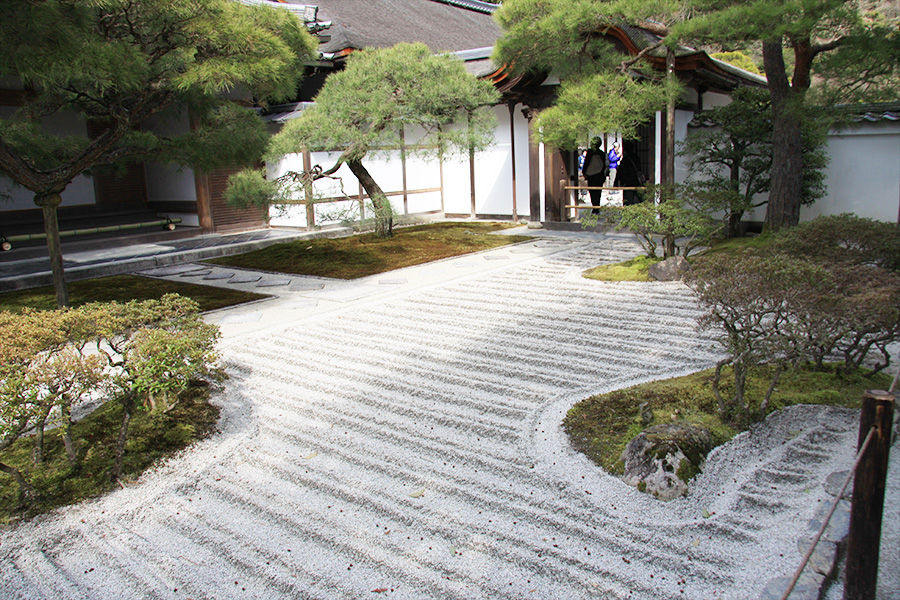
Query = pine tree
x=118 y=63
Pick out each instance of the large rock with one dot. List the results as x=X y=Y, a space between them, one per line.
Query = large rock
x=663 y=458
x=671 y=269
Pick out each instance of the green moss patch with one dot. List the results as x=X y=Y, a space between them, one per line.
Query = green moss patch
x=601 y=426
x=123 y=288
x=366 y=254
x=151 y=437
x=635 y=269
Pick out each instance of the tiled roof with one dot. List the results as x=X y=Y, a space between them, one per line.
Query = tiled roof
x=444 y=25
x=872 y=113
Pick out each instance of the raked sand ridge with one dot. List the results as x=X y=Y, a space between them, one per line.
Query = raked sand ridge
x=409 y=446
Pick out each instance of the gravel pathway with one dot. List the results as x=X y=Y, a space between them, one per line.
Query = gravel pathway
x=409 y=446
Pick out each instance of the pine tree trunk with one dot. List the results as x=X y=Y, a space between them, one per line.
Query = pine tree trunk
x=384 y=221
x=48 y=204
x=783 y=209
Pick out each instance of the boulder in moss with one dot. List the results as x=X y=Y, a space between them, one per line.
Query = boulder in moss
x=662 y=459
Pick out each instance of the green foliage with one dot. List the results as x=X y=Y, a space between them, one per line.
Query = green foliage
x=734 y=158
x=602 y=90
x=152 y=436
x=130 y=68
x=844 y=238
x=780 y=306
x=50 y=361
x=122 y=62
x=635 y=269
x=368 y=107
x=364 y=107
x=251 y=188
x=123 y=288
x=679 y=217
x=606 y=101
x=836 y=51
x=739 y=60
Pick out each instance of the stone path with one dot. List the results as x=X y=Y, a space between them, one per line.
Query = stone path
x=405 y=443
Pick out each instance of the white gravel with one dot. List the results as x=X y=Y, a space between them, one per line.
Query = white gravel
x=407 y=444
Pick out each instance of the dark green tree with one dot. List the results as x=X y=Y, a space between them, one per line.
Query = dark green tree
x=855 y=48
x=118 y=63
x=602 y=90
x=364 y=109
x=852 y=47
x=732 y=155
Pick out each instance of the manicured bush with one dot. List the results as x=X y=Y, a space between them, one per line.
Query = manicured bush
x=787 y=303
x=139 y=354
x=678 y=217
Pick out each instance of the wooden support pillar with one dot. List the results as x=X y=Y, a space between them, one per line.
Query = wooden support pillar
x=512 y=153
x=403 y=170
x=861 y=573
x=473 y=207
x=534 y=175
x=308 y=192
x=669 y=170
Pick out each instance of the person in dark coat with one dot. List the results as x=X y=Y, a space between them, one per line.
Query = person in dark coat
x=629 y=175
x=595 y=171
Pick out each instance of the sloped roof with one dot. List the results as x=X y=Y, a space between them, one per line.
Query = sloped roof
x=444 y=25
x=702 y=68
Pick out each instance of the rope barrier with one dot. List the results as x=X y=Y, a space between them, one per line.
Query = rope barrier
x=818 y=536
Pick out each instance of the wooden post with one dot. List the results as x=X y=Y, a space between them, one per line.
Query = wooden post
x=403 y=170
x=534 y=174
x=473 y=208
x=308 y=192
x=669 y=171
x=868 y=497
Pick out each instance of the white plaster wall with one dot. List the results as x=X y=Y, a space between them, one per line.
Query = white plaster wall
x=522 y=189
x=712 y=100
x=457 y=185
x=682 y=118
x=493 y=170
x=863 y=176
x=493 y=177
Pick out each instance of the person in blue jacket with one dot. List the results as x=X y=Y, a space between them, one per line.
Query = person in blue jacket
x=615 y=155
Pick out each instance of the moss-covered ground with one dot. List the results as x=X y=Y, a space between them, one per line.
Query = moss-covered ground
x=601 y=426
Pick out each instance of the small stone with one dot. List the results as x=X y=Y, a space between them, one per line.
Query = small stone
x=808 y=587
x=835 y=481
x=823 y=558
x=838 y=527
x=671 y=269
x=646 y=413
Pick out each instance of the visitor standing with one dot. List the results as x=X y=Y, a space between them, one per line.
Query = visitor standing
x=595 y=171
x=615 y=156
